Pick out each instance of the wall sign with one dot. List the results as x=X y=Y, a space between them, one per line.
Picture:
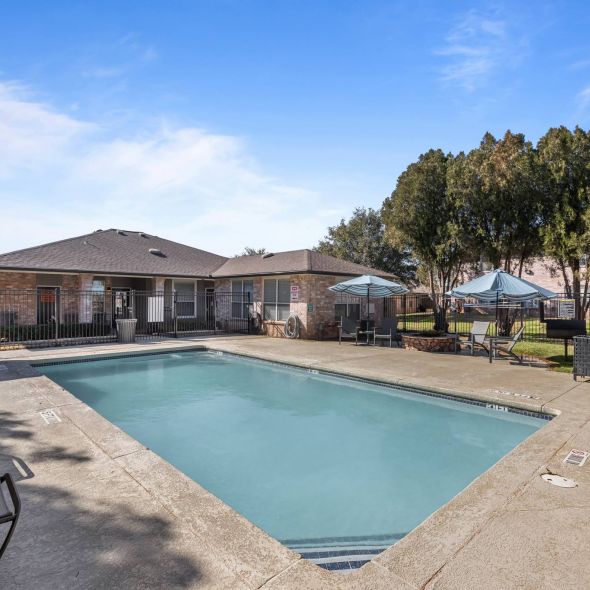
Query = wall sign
x=47 y=297
x=566 y=308
x=294 y=292
x=310 y=307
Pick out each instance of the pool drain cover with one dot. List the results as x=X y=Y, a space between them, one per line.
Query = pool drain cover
x=558 y=480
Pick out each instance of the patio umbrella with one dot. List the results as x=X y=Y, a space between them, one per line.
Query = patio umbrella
x=500 y=284
x=369 y=286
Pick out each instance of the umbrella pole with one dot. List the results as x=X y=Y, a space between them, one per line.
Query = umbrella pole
x=497 y=297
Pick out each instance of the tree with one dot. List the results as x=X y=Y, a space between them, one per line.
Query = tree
x=362 y=240
x=252 y=252
x=566 y=236
x=502 y=190
x=421 y=215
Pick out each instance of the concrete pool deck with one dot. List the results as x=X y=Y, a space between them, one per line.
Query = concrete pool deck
x=101 y=510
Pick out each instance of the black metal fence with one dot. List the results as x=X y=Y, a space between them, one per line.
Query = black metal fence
x=49 y=316
x=415 y=313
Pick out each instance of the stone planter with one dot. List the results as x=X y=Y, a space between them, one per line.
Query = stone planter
x=429 y=343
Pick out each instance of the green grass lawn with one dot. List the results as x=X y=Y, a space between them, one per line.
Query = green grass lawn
x=552 y=352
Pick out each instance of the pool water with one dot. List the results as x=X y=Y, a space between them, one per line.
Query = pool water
x=327 y=465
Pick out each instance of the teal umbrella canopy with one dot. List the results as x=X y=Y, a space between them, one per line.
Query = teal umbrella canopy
x=369 y=286
x=500 y=284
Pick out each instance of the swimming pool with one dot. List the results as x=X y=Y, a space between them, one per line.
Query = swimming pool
x=335 y=468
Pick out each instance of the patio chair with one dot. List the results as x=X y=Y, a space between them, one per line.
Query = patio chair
x=8 y=515
x=347 y=329
x=505 y=346
x=477 y=337
x=388 y=331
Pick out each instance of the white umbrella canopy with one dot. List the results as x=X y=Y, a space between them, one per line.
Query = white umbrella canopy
x=369 y=286
x=497 y=286
x=500 y=284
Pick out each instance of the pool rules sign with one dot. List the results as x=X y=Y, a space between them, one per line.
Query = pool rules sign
x=294 y=293
x=566 y=308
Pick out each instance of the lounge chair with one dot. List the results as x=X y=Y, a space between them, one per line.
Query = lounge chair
x=477 y=337
x=505 y=346
x=8 y=515
x=388 y=332
x=347 y=329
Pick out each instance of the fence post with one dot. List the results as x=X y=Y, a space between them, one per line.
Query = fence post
x=248 y=313
x=56 y=310
x=175 y=315
x=215 y=312
x=405 y=309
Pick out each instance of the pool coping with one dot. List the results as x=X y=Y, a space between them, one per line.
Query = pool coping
x=410 y=563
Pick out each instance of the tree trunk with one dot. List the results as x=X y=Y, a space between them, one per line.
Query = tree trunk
x=585 y=303
x=520 y=266
x=575 y=266
x=506 y=319
x=566 y=280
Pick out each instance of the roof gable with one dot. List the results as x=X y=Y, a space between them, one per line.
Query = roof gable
x=115 y=252
x=292 y=262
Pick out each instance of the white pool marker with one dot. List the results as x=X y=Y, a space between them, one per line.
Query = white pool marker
x=576 y=457
x=314 y=371
x=219 y=353
x=558 y=480
x=497 y=407
x=50 y=417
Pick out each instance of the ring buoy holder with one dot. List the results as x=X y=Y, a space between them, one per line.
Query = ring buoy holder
x=292 y=326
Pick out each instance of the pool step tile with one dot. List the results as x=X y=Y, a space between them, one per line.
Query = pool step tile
x=342 y=554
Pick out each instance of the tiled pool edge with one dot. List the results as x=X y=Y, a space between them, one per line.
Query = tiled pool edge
x=414 y=559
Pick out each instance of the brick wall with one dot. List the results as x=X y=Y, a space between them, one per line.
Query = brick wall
x=315 y=307
x=20 y=305
x=18 y=280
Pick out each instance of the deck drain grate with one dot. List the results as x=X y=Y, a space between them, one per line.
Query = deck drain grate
x=576 y=457
x=50 y=417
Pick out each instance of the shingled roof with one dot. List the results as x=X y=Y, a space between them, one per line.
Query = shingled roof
x=292 y=262
x=122 y=252
x=115 y=252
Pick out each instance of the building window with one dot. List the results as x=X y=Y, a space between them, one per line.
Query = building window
x=98 y=293
x=348 y=310
x=277 y=297
x=242 y=296
x=185 y=298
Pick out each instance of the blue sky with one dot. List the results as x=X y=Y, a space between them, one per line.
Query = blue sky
x=230 y=123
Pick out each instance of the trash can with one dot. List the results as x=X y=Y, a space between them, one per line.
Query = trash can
x=126 y=330
x=581 y=356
